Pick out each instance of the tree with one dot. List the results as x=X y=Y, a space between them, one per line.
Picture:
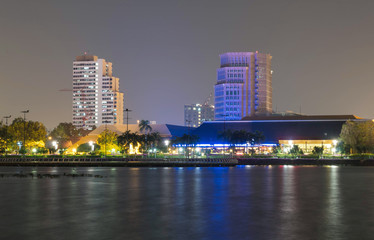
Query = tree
x=5 y=138
x=318 y=151
x=236 y=137
x=86 y=147
x=127 y=139
x=155 y=139
x=65 y=132
x=358 y=135
x=107 y=140
x=277 y=149
x=187 y=141
x=256 y=138
x=150 y=140
x=33 y=132
x=296 y=151
x=144 y=126
x=241 y=137
x=342 y=148
x=225 y=135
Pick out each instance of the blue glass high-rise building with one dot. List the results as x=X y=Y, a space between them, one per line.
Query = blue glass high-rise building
x=243 y=85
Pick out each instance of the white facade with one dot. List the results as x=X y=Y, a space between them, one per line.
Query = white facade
x=96 y=96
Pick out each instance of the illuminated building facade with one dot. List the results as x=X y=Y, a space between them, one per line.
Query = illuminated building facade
x=96 y=96
x=244 y=85
x=196 y=114
x=305 y=131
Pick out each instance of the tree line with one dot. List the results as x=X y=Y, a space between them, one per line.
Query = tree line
x=23 y=136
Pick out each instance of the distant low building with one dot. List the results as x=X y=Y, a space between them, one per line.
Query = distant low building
x=196 y=114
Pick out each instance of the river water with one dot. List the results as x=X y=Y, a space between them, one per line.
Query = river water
x=279 y=202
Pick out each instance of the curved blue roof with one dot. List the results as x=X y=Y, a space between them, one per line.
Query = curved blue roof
x=273 y=130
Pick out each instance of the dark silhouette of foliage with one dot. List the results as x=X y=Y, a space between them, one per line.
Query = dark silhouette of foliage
x=144 y=126
x=85 y=147
x=296 y=151
x=318 y=151
x=241 y=137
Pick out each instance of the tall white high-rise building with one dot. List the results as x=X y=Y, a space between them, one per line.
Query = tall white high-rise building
x=96 y=96
x=243 y=85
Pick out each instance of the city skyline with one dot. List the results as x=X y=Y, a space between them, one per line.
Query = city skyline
x=167 y=57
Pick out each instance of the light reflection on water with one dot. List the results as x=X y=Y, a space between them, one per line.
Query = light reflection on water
x=333 y=210
x=271 y=202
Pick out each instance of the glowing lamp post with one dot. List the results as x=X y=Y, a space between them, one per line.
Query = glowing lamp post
x=91 y=143
x=167 y=142
x=55 y=144
x=24 y=129
x=19 y=145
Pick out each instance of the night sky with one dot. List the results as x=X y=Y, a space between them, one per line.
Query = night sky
x=166 y=52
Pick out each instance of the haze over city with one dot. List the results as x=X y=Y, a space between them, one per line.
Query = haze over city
x=166 y=53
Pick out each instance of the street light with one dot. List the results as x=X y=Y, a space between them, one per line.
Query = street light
x=24 y=129
x=167 y=142
x=55 y=144
x=19 y=143
x=6 y=133
x=188 y=138
x=91 y=143
x=127 y=118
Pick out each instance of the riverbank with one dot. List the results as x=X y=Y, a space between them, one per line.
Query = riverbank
x=315 y=162
x=175 y=162
x=118 y=162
